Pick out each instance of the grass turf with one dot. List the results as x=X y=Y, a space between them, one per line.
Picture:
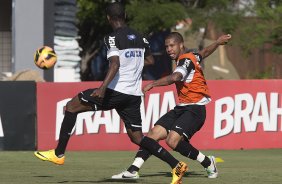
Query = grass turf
x=239 y=167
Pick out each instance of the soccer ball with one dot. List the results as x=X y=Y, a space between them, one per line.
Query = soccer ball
x=45 y=57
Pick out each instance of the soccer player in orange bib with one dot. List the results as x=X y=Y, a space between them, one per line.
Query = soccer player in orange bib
x=179 y=125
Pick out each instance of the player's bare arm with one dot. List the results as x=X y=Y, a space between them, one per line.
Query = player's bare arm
x=222 y=40
x=113 y=69
x=165 y=81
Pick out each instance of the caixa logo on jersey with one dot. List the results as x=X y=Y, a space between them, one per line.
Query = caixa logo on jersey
x=246 y=112
x=158 y=104
x=133 y=53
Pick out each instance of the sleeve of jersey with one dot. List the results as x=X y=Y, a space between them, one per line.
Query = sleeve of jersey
x=185 y=66
x=147 y=47
x=112 y=49
x=198 y=57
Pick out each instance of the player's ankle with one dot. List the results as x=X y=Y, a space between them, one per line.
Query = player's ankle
x=132 y=169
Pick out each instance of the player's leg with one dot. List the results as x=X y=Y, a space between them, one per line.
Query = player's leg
x=208 y=162
x=142 y=154
x=130 y=113
x=178 y=167
x=157 y=134
x=133 y=169
x=73 y=107
x=160 y=132
x=140 y=158
x=128 y=108
x=132 y=172
x=79 y=103
x=187 y=125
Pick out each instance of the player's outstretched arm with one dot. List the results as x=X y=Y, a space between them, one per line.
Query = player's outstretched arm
x=165 y=81
x=222 y=40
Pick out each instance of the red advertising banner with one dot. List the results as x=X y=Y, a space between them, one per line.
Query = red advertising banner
x=243 y=114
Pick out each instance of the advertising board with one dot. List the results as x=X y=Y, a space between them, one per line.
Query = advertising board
x=243 y=114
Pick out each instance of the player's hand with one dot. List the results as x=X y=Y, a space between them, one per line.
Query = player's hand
x=222 y=40
x=147 y=87
x=99 y=92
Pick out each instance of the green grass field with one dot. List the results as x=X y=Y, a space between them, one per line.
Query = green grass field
x=239 y=167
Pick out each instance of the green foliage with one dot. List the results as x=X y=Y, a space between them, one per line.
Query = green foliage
x=266 y=74
x=258 y=22
x=152 y=16
x=261 y=25
x=265 y=27
x=92 y=23
x=220 y=12
x=276 y=37
x=226 y=21
x=145 y=16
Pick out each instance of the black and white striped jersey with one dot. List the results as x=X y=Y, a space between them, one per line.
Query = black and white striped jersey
x=131 y=48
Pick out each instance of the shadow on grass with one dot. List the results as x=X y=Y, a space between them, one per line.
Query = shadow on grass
x=43 y=176
x=163 y=174
x=106 y=181
x=168 y=174
x=121 y=181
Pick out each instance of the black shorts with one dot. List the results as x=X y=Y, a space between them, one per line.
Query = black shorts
x=185 y=120
x=127 y=106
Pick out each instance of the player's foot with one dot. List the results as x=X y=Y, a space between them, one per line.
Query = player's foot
x=50 y=156
x=212 y=170
x=126 y=175
x=178 y=172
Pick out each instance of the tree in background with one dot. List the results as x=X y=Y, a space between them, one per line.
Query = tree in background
x=257 y=21
x=256 y=28
x=255 y=25
x=231 y=15
x=92 y=26
x=265 y=27
x=145 y=16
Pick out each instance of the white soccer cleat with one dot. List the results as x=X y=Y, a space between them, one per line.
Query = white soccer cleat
x=126 y=175
x=212 y=170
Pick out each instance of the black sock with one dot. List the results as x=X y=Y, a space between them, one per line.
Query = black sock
x=66 y=128
x=133 y=168
x=187 y=150
x=142 y=153
x=156 y=149
x=206 y=162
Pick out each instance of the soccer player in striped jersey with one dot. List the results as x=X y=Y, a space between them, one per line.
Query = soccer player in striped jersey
x=121 y=90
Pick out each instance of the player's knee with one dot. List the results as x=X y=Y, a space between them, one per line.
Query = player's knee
x=136 y=140
x=71 y=105
x=156 y=137
x=172 y=143
x=135 y=137
x=157 y=133
x=153 y=133
x=150 y=134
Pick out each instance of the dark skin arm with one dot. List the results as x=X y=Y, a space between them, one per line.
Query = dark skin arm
x=113 y=69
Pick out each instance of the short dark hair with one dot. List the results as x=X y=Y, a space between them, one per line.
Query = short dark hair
x=176 y=36
x=116 y=11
